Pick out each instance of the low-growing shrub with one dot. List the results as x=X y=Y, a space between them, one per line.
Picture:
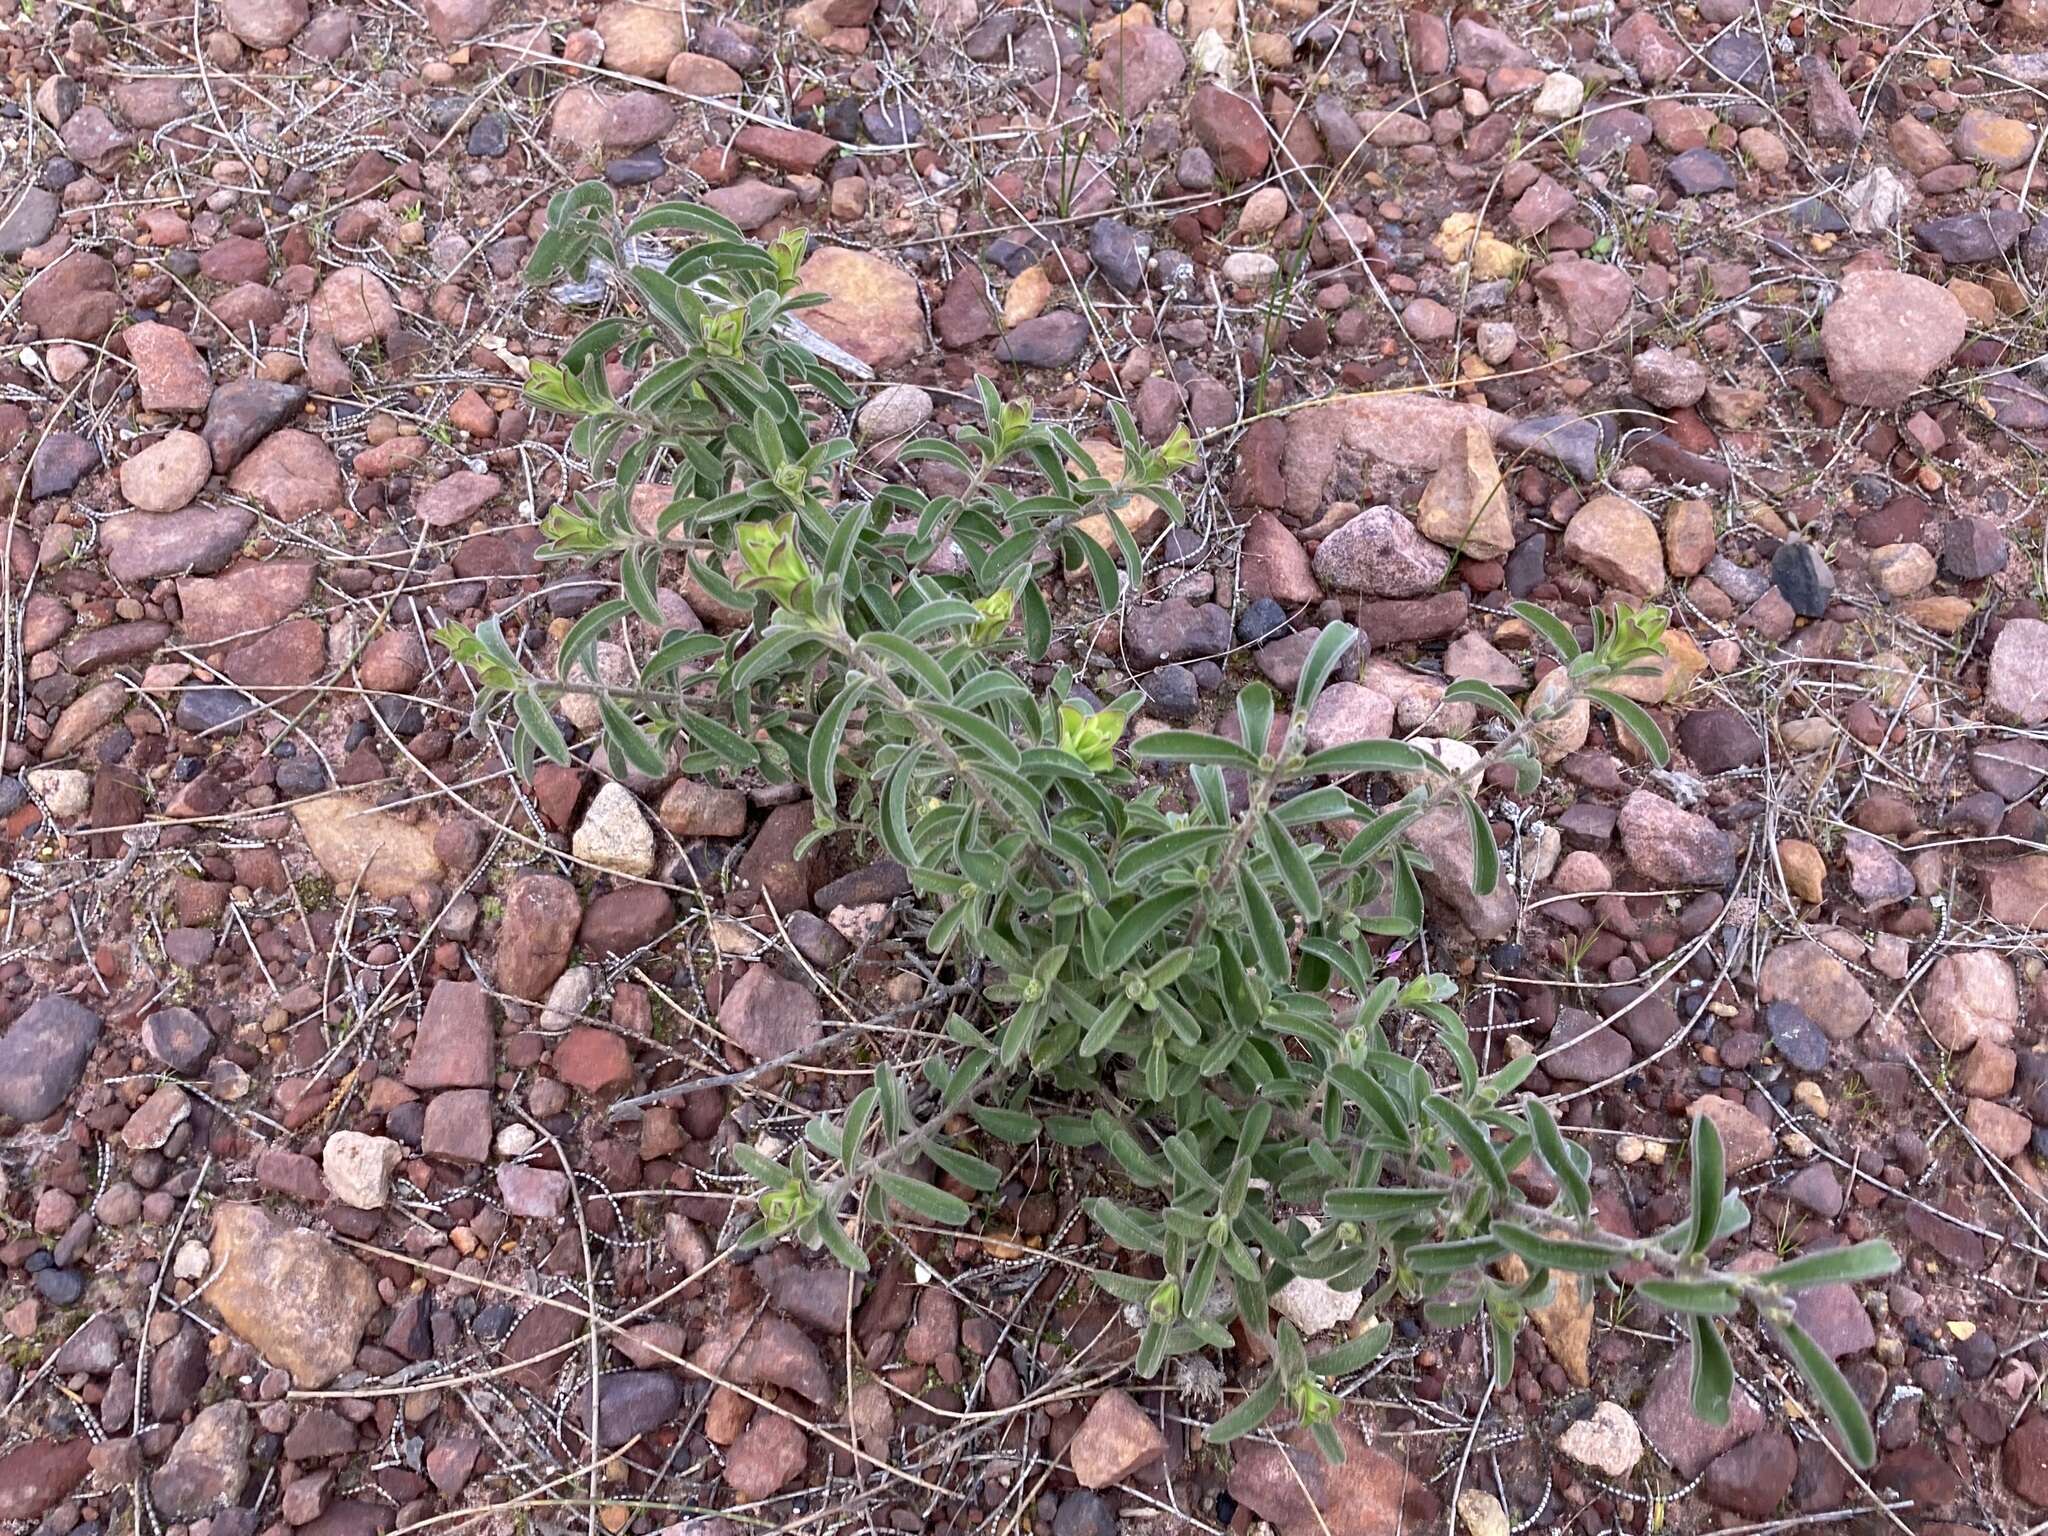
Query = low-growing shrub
x=1174 y=928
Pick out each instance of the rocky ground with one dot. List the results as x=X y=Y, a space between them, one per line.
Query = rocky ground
x=327 y=1193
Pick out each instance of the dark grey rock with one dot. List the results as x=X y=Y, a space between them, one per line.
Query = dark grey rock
x=636 y=169
x=42 y=1056
x=245 y=411
x=1799 y=571
x=1698 y=172
x=1572 y=441
x=1798 y=1038
x=1966 y=237
x=1048 y=341
x=61 y=461
x=1172 y=693
x=30 y=222
x=490 y=136
x=1119 y=252
x=212 y=709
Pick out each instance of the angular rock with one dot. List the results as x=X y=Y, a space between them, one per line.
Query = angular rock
x=1887 y=334
x=170 y=375
x=1616 y=541
x=768 y=1016
x=354 y=841
x=1811 y=975
x=245 y=411
x=1968 y=996
x=143 y=546
x=293 y=475
x=1672 y=846
x=2016 y=689
x=1381 y=554
x=1295 y=1488
x=42 y=1056
x=874 y=309
x=542 y=914
x=299 y=1299
x=1115 y=1440
x=1591 y=297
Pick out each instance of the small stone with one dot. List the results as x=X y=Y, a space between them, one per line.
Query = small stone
x=614 y=833
x=1115 y=1440
x=208 y=1466
x=2017 y=687
x=170 y=375
x=1381 y=554
x=769 y=1016
x=1887 y=334
x=1673 y=846
x=42 y=1056
x=264 y=24
x=539 y=1194
x=358 y=1168
x=894 y=413
x=1607 y=1441
x=1465 y=504
x=1617 y=542
x=299 y=1299
x=640 y=38
x=168 y=474
x=1813 y=977
x=1970 y=996
x=873 y=306
x=1666 y=379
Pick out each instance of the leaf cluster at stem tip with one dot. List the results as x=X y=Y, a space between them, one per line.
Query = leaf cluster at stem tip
x=1176 y=931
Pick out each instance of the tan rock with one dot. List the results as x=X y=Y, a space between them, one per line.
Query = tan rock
x=1465 y=505
x=354 y=840
x=1806 y=872
x=1616 y=541
x=297 y=1297
x=641 y=38
x=872 y=307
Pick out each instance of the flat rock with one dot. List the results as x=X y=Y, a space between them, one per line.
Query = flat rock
x=356 y=842
x=42 y=1056
x=1813 y=976
x=170 y=375
x=1680 y=1436
x=1299 y=1492
x=1115 y=1440
x=1408 y=432
x=1617 y=541
x=142 y=546
x=243 y=412
x=873 y=307
x=299 y=1299
x=2017 y=687
x=1887 y=334
x=767 y=1015
x=293 y=475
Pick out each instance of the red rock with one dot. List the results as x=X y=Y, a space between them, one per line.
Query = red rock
x=787 y=149
x=594 y=1061
x=292 y=474
x=538 y=931
x=455 y=1041
x=1300 y=1493
x=1591 y=297
x=286 y=658
x=458 y=1126
x=873 y=310
x=1273 y=564
x=456 y=498
x=353 y=306
x=1115 y=1440
x=1233 y=131
x=170 y=375
x=1138 y=66
x=35 y=1477
x=767 y=1016
x=766 y=1457
x=251 y=597
x=73 y=299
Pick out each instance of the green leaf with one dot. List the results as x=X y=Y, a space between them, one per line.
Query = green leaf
x=1833 y=1390
x=1871 y=1260
x=1471 y=690
x=970 y=1170
x=1144 y=920
x=1713 y=1373
x=922 y=1199
x=1323 y=659
x=1293 y=866
x=1195 y=747
x=1471 y=1138
x=1546 y=1252
x=1637 y=721
x=1558 y=1156
x=1368 y=757
x=1707 y=1184
x=1693 y=1298
x=1550 y=627
x=1248 y=1415
x=1485 y=853
x=1373 y=1205
x=1355 y=1354
x=839 y=1245
x=1011 y=1125
x=624 y=738
x=821 y=765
